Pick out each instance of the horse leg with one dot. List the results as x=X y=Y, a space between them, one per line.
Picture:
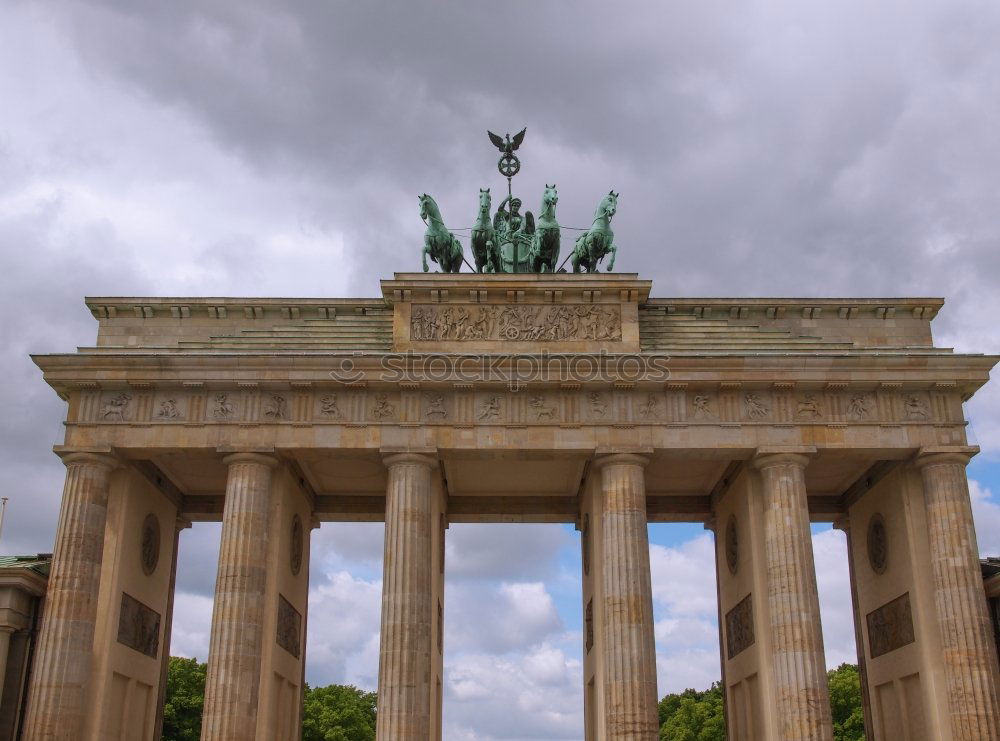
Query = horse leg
x=427 y=249
x=614 y=254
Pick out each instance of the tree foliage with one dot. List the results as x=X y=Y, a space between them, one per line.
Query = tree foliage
x=184 y=701
x=693 y=716
x=334 y=713
x=846 y=704
x=698 y=716
x=338 y=713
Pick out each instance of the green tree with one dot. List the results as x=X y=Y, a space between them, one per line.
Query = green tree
x=184 y=701
x=846 y=704
x=693 y=716
x=338 y=713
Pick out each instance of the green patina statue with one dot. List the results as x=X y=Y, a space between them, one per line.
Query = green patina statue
x=512 y=242
x=439 y=243
x=598 y=241
x=545 y=244
x=484 y=237
x=515 y=234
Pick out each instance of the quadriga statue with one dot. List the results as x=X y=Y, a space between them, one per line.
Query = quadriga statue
x=598 y=241
x=439 y=243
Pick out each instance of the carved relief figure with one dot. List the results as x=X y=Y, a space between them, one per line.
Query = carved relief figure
x=858 y=408
x=383 y=409
x=809 y=407
x=116 y=407
x=149 y=548
x=915 y=407
x=435 y=407
x=288 y=627
x=168 y=409
x=276 y=407
x=701 y=408
x=756 y=409
x=328 y=406
x=138 y=626
x=650 y=409
x=541 y=409
x=598 y=404
x=739 y=627
x=223 y=408
x=489 y=409
x=516 y=323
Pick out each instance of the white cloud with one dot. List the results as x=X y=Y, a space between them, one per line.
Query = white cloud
x=986 y=512
x=515 y=552
x=192 y=625
x=343 y=639
x=833 y=580
x=684 y=577
x=530 y=696
x=499 y=618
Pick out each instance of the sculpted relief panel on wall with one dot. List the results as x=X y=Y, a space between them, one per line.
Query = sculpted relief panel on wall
x=523 y=323
x=671 y=404
x=890 y=626
x=289 y=627
x=139 y=626
x=739 y=627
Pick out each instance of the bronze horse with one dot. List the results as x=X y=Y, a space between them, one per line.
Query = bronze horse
x=484 y=237
x=545 y=243
x=439 y=243
x=598 y=241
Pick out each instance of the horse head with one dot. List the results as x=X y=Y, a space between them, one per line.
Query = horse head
x=607 y=207
x=428 y=208
x=484 y=199
x=550 y=197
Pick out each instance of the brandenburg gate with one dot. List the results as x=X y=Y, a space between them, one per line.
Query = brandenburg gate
x=492 y=397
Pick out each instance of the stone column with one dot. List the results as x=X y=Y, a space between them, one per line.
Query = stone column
x=970 y=662
x=5 y=633
x=60 y=676
x=628 y=646
x=803 y=704
x=404 y=673
x=233 y=682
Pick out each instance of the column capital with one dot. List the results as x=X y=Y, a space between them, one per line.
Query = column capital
x=394 y=458
x=938 y=454
x=796 y=455
x=105 y=460
x=262 y=459
x=620 y=459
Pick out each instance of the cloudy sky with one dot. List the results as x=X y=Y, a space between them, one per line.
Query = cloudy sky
x=200 y=147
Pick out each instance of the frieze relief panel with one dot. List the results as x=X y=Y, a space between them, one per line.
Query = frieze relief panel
x=890 y=626
x=470 y=405
x=519 y=323
x=739 y=627
x=288 y=629
x=139 y=626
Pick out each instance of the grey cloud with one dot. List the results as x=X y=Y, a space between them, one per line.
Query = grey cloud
x=504 y=552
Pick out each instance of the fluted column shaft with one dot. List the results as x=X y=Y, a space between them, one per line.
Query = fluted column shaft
x=803 y=704
x=970 y=661
x=60 y=676
x=232 y=684
x=404 y=676
x=629 y=650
